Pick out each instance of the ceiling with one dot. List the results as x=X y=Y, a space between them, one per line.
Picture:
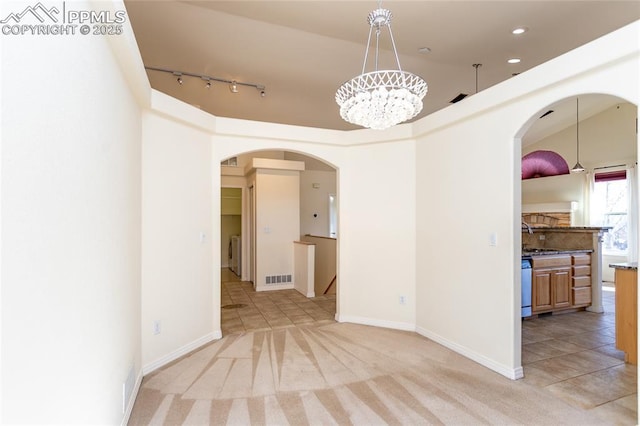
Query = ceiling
x=302 y=51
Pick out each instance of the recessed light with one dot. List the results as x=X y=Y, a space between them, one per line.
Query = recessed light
x=519 y=30
x=514 y=60
x=424 y=50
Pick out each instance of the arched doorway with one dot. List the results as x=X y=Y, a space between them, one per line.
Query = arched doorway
x=287 y=200
x=601 y=129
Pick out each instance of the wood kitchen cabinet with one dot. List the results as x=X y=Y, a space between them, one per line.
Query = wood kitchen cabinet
x=581 y=279
x=551 y=283
x=627 y=310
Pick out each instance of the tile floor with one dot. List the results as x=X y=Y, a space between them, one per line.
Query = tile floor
x=573 y=356
x=269 y=310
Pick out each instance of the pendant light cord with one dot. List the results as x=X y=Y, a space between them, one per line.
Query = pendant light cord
x=577 y=134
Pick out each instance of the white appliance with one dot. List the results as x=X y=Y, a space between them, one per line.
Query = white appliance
x=235 y=250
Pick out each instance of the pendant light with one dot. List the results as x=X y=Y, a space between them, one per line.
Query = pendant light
x=381 y=98
x=578 y=167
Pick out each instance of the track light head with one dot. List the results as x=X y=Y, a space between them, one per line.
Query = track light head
x=209 y=80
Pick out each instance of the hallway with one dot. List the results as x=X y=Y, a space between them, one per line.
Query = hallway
x=245 y=310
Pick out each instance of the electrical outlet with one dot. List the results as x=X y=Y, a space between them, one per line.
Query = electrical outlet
x=156 y=327
x=402 y=299
x=541 y=237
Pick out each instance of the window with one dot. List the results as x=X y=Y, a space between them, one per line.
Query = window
x=233 y=161
x=609 y=207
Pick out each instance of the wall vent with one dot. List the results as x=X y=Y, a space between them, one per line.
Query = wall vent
x=458 y=98
x=278 y=279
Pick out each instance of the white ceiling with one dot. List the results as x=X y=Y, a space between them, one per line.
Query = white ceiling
x=302 y=51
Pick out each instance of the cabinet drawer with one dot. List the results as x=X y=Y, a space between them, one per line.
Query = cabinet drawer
x=582 y=296
x=581 y=281
x=550 y=260
x=581 y=271
x=581 y=259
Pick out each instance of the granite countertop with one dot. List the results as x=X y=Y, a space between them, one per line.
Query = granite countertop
x=625 y=265
x=568 y=228
x=552 y=251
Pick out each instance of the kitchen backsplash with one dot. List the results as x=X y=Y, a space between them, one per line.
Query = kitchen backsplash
x=546 y=220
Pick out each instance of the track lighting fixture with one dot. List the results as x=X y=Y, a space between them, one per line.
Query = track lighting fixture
x=233 y=84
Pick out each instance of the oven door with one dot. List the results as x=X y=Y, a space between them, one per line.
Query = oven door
x=526 y=287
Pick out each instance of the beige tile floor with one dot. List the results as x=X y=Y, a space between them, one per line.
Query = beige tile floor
x=270 y=309
x=573 y=356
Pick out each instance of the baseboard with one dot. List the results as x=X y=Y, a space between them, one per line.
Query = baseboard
x=396 y=325
x=172 y=356
x=510 y=373
x=132 y=399
x=270 y=287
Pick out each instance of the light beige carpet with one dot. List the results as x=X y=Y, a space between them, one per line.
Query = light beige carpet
x=340 y=374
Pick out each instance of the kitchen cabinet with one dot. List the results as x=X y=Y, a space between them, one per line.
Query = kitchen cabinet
x=560 y=281
x=581 y=279
x=627 y=310
x=551 y=283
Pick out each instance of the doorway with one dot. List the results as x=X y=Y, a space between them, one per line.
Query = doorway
x=570 y=353
x=246 y=302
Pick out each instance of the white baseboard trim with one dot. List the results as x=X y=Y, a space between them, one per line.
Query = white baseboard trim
x=510 y=373
x=132 y=399
x=270 y=287
x=396 y=325
x=172 y=356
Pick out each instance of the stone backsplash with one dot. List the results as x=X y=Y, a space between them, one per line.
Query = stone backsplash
x=557 y=238
x=545 y=220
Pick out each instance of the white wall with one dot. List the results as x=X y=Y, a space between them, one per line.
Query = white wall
x=277 y=224
x=70 y=228
x=377 y=226
x=179 y=270
x=314 y=202
x=468 y=163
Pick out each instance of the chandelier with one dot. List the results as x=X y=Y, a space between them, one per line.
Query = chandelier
x=382 y=98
